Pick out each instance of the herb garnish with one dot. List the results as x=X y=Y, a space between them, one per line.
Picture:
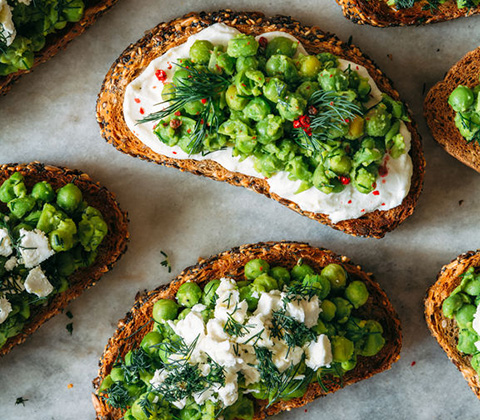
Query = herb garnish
x=469 y=124
x=21 y=400
x=166 y=262
x=200 y=85
x=69 y=327
x=234 y=328
x=117 y=396
x=294 y=333
x=331 y=111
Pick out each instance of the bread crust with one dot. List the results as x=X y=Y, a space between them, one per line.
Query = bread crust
x=167 y=35
x=379 y=13
x=110 y=250
x=230 y=263
x=59 y=40
x=441 y=117
x=446 y=330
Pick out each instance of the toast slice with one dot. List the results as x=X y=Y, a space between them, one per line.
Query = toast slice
x=379 y=13
x=441 y=117
x=59 y=40
x=167 y=35
x=446 y=330
x=111 y=249
x=231 y=263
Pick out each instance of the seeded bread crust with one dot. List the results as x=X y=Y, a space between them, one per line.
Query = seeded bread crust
x=111 y=249
x=137 y=323
x=59 y=40
x=167 y=35
x=441 y=117
x=446 y=330
x=379 y=13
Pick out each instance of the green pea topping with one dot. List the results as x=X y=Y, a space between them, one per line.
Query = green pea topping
x=336 y=274
x=189 y=294
x=69 y=198
x=200 y=51
x=164 y=310
x=357 y=293
x=255 y=268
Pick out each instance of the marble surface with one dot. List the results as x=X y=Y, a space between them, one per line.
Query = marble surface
x=50 y=116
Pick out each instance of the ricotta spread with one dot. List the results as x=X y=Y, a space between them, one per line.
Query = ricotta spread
x=37 y=283
x=476 y=326
x=34 y=247
x=143 y=95
x=7 y=28
x=214 y=342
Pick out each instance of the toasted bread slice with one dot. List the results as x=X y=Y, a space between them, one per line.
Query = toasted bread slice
x=167 y=35
x=379 y=13
x=446 y=330
x=59 y=40
x=231 y=263
x=441 y=117
x=111 y=249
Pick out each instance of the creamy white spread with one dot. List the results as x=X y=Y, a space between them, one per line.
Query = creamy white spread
x=7 y=28
x=143 y=95
x=476 y=326
x=236 y=353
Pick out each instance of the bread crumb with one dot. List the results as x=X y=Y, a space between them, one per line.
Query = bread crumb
x=460 y=202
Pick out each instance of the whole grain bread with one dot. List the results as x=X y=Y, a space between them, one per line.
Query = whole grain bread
x=111 y=249
x=167 y=35
x=58 y=41
x=441 y=117
x=231 y=263
x=379 y=13
x=446 y=330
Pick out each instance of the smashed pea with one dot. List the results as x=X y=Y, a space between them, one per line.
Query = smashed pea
x=465 y=101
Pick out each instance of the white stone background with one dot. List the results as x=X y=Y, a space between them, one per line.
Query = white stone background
x=49 y=116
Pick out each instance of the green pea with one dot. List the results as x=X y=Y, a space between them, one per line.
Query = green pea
x=242 y=45
x=150 y=341
x=338 y=162
x=320 y=284
x=281 y=45
x=184 y=313
x=328 y=60
x=283 y=67
x=251 y=294
x=320 y=328
x=357 y=293
x=472 y=287
x=168 y=91
x=220 y=62
x=275 y=89
x=249 y=82
x=164 y=309
x=378 y=121
x=342 y=349
x=292 y=107
x=466 y=341
x=19 y=207
x=255 y=268
x=117 y=374
x=461 y=98
x=299 y=271
x=12 y=188
x=328 y=310
x=257 y=109
x=209 y=295
x=137 y=409
x=373 y=340
x=106 y=384
x=200 y=51
x=190 y=413
x=309 y=66
x=69 y=197
x=336 y=274
x=344 y=309
x=65 y=263
x=280 y=274
x=43 y=191
x=189 y=294
x=246 y=63
x=181 y=76
x=234 y=100
x=270 y=129
x=349 y=364
x=322 y=182
x=307 y=89
x=266 y=282
x=333 y=79
x=475 y=362
x=465 y=314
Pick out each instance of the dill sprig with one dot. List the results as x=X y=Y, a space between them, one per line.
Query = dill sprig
x=404 y=4
x=334 y=370
x=234 y=328
x=332 y=111
x=279 y=385
x=117 y=396
x=178 y=348
x=300 y=291
x=199 y=85
x=140 y=361
x=294 y=333
x=166 y=262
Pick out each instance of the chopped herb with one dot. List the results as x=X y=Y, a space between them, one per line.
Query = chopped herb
x=166 y=262
x=234 y=328
x=69 y=328
x=69 y=314
x=21 y=400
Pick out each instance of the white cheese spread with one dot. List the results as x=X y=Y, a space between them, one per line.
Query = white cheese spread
x=476 y=326
x=37 y=283
x=143 y=95
x=34 y=247
x=7 y=28
x=5 y=243
x=5 y=309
